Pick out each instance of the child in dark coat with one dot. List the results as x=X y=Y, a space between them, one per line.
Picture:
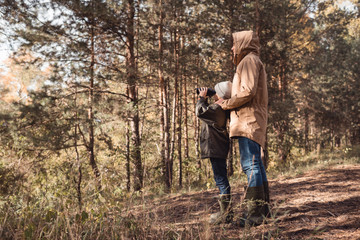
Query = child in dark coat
x=214 y=144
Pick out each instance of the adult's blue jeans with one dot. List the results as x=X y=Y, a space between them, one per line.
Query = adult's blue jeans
x=251 y=163
x=220 y=175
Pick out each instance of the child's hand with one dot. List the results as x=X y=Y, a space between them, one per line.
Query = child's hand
x=203 y=92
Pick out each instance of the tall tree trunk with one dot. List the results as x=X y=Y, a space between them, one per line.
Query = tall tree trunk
x=128 y=172
x=173 y=137
x=164 y=106
x=90 y=146
x=131 y=76
x=179 y=125
x=197 y=136
x=179 y=104
x=127 y=152
x=185 y=117
x=306 y=132
x=197 y=126
x=179 y=138
x=78 y=162
x=283 y=149
x=175 y=105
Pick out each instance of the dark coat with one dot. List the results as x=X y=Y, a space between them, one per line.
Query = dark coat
x=214 y=139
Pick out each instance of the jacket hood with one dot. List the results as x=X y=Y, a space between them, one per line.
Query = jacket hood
x=244 y=43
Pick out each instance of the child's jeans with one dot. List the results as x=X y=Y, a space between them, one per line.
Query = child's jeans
x=220 y=174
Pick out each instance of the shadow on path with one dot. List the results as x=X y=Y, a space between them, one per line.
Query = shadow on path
x=321 y=204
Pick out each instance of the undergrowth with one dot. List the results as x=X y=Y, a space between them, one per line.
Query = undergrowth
x=299 y=164
x=35 y=208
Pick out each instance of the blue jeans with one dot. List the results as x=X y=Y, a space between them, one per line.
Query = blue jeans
x=251 y=163
x=220 y=175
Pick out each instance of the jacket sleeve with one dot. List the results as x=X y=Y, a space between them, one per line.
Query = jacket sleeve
x=205 y=112
x=248 y=71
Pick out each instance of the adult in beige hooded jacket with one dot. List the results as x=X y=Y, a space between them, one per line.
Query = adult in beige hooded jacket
x=249 y=98
x=248 y=121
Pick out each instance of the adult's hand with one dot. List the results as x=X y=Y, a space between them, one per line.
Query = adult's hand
x=219 y=101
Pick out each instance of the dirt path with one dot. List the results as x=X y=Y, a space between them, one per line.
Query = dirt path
x=322 y=204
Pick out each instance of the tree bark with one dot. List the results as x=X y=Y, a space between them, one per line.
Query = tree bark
x=175 y=105
x=164 y=105
x=179 y=104
x=196 y=132
x=173 y=137
x=185 y=117
x=306 y=132
x=179 y=138
x=131 y=76
x=90 y=146
x=78 y=162
x=127 y=153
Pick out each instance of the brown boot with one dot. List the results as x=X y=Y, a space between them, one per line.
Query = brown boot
x=255 y=211
x=225 y=215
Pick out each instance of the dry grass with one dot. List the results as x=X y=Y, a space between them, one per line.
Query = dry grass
x=318 y=201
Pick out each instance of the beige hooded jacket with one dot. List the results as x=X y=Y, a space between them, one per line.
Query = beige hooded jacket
x=249 y=97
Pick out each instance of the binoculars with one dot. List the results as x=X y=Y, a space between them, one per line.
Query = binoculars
x=210 y=92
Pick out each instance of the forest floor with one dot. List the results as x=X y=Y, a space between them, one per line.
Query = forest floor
x=319 y=204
